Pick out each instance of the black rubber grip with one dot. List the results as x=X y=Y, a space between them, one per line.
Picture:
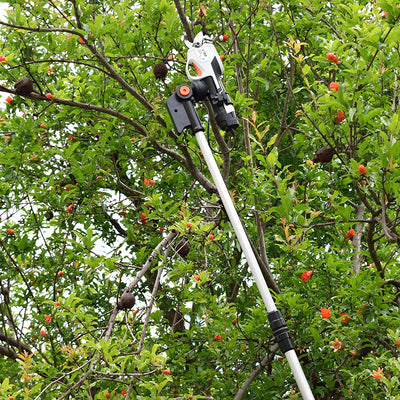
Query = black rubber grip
x=281 y=331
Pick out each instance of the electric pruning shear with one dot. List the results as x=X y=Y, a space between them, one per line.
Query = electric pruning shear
x=204 y=58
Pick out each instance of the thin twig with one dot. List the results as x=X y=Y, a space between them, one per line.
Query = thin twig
x=59 y=379
x=357 y=257
x=189 y=164
x=263 y=363
x=149 y=310
x=184 y=21
x=395 y=91
x=85 y=106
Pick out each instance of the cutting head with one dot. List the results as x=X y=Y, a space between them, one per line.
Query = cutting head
x=197 y=41
x=204 y=58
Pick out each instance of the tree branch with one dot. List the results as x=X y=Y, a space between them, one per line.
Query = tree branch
x=283 y=126
x=7 y=352
x=263 y=363
x=15 y=343
x=165 y=242
x=224 y=149
x=85 y=106
x=187 y=161
x=182 y=17
x=149 y=309
x=371 y=248
x=357 y=257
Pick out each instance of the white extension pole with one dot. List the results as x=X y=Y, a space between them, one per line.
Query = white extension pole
x=251 y=259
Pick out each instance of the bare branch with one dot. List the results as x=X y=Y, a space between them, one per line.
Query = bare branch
x=15 y=343
x=357 y=257
x=182 y=17
x=372 y=250
x=188 y=162
x=84 y=106
x=263 y=363
x=7 y=352
x=149 y=309
x=396 y=84
x=165 y=242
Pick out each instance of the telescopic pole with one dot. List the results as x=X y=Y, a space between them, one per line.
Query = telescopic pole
x=183 y=114
x=274 y=316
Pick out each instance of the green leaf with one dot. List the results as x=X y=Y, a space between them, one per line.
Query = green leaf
x=97 y=25
x=6 y=384
x=272 y=157
x=394 y=124
x=272 y=140
x=71 y=149
x=306 y=69
x=352 y=112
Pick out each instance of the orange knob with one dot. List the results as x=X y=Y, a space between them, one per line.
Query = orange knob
x=184 y=90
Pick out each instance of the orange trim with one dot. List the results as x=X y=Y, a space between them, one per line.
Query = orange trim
x=198 y=70
x=184 y=90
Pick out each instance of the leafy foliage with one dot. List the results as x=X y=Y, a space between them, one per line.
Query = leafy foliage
x=99 y=196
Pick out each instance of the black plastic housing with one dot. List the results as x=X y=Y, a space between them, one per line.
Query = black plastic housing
x=281 y=331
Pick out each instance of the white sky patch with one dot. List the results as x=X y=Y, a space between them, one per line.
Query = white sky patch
x=3 y=8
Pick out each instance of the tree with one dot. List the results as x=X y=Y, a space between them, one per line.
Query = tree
x=101 y=197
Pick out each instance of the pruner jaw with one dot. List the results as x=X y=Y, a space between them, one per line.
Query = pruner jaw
x=198 y=41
